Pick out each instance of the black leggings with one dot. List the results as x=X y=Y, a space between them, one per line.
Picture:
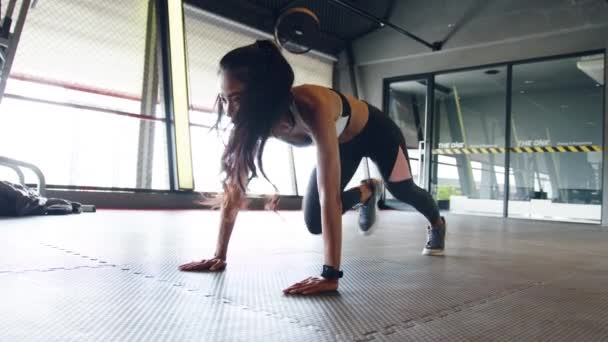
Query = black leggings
x=379 y=140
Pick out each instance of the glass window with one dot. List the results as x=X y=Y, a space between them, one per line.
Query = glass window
x=556 y=125
x=73 y=146
x=468 y=153
x=207 y=147
x=407 y=106
x=305 y=159
x=78 y=115
x=278 y=170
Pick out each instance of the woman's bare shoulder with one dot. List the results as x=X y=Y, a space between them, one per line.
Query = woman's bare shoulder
x=308 y=92
x=311 y=99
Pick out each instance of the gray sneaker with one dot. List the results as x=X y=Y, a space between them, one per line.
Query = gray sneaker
x=435 y=243
x=368 y=210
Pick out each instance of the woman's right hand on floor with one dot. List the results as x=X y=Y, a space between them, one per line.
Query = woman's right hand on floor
x=214 y=264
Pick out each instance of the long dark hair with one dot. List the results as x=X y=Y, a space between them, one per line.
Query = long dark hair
x=267 y=78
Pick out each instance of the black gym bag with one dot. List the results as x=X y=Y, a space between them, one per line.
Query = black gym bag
x=18 y=200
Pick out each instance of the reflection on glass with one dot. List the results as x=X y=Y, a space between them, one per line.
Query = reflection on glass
x=406 y=106
x=556 y=126
x=468 y=153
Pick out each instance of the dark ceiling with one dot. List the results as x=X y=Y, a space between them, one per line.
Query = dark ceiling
x=339 y=25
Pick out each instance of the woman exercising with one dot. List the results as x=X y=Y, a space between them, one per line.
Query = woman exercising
x=257 y=95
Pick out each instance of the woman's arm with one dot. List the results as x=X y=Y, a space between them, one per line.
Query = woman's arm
x=328 y=182
x=228 y=214
x=319 y=118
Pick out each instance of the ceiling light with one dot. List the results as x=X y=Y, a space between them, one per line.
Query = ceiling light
x=528 y=82
x=593 y=66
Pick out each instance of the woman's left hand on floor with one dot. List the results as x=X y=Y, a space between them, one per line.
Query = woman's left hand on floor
x=312 y=285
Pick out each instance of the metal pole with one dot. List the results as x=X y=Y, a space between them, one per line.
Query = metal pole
x=292 y=170
x=145 y=156
x=350 y=55
x=17 y=171
x=433 y=46
x=163 y=34
x=13 y=43
x=505 y=208
x=10 y=9
x=32 y=167
x=428 y=136
x=604 y=218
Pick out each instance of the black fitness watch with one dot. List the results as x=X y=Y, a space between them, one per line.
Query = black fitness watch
x=331 y=273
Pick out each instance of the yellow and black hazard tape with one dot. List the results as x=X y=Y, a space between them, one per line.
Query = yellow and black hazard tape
x=470 y=150
x=523 y=149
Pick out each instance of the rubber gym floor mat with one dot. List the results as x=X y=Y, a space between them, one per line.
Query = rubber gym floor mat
x=20 y=256
x=135 y=238
x=372 y=295
x=560 y=310
x=498 y=280
x=257 y=280
x=109 y=305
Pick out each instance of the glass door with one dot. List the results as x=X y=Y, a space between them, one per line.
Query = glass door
x=469 y=141
x=406 y=105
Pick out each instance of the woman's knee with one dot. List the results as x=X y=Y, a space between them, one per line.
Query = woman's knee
x=313 y=222
x=402 y=190
x=312 y=214
x=410 y=193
